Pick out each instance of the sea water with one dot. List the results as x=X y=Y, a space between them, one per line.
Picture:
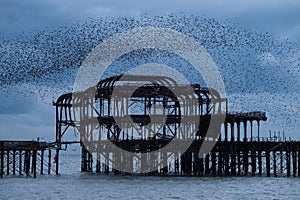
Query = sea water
x=72 y=184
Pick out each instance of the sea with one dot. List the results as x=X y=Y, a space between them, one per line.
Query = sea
x=73 y=184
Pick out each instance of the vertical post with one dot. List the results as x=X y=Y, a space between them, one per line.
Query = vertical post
x=196 y=163
x=27 y=162
x=288 y=164
x=207 y=171
x=259 y=163
x=201 y=166
x=106 y=170
x=281 y=162
x=213 y=161
x=298 y=163
x=220 y=163
x=14 y=162
x=98 y=163
x=226 y=163
x=253 y=162
x=57 y=161
x=251 y=131
x=268 y=163
x=42 y=161
x=90 y=162
x=258 y=131
x=83 y=159
x=274 y=164
x=49 y=162
x=7 y=163
x=238 y=131
x=20 y=162
x=239 y=161
x=245 y=131
x=2 y=160
x=294 y=163
x=246 y=164
x=233 y=163
x=34 y=154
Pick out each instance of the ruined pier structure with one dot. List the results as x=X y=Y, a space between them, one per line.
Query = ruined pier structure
x=143 y=114
x=25 y=158
x=101 y=116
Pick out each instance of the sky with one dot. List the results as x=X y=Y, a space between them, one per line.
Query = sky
x=27 y=121
x=279 y=17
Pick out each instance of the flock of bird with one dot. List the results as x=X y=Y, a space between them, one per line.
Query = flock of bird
x=259 y=71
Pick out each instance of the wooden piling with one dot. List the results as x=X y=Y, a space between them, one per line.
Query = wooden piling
x=298 y=163
x=288 y=164
x=2 y=161
x=20 y=162
x=49 y=161
x=220 y=163
x=57 y=162
x=259 y=163
x=274 y=164
x=34 y=158
x=213 y=163
x=42 y=162
x=207 y=170
x=268 y=163
x=98 y=163
x=7 y=162
x=226 y=162
x=294 y=163
x=253 y=163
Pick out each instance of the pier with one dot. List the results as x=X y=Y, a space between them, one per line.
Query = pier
x=240 y=148
x=143 y=119
x=25 y=158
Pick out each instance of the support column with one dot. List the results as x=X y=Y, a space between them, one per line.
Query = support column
x=49 y=162
x=42 y=161
x=233 y=162
x=298 y=163
x=238 y=131
x=207 y=170
x=20 y=162
x=246 y=164
x=57 y=162
x=98 y=163
x=258 y=131
x=226 y=163
x=245 y=131
x=288 y=164
x=7 y=162
x=34 y=154
x=259 y=163
x=251 y=131
x=274 y=164
x=2 y=161
x=281 y=162
x=268 y=164
x=14 y=162
x=214 y=162
x=220 y=163
x=201 y=168
x=253 y=162
x=294 y=163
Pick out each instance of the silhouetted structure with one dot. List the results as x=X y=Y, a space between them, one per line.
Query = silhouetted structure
x=158 y=108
